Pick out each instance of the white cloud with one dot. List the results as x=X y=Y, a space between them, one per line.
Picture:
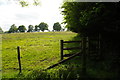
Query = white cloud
x=12 y=13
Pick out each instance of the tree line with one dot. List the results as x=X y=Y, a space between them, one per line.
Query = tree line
x=41 y=27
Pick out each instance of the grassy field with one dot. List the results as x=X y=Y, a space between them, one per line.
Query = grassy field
x=38 y=51
x=42 y=49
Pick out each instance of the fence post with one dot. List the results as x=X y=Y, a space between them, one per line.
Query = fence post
x=84 y=57
x=61 y=49
x=18 y=50
x=99 y=43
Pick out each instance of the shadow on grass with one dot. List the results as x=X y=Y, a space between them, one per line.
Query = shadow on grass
x=72 y=69
x=100 y=69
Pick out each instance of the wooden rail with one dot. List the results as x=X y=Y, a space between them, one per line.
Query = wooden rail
x=83 y=48
x=72 y=48
x=71 y=41
x=62 y=61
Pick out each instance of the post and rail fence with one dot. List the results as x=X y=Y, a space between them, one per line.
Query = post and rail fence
x=72 y=48
x=84 y=40
x=83 y=50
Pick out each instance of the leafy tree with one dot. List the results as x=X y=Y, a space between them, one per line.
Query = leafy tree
x=43 y=26
x=30 y=28
x=92 y=18
x=12 y=29
x=57 y=26
x=22 y=28
x=36 y=27
x=1 y=31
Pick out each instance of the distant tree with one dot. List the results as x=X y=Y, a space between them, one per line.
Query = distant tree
x=63 y=29
x=30 y=28
x=57 y=26
x=12 y=29
x=36 y=27
x=21 y=28
x=6 y=32
x=1 y=31
x=43 y=26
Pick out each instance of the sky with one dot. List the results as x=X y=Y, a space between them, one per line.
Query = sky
x=12 y=13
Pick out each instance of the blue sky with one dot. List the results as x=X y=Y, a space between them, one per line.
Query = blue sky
x=12 y=13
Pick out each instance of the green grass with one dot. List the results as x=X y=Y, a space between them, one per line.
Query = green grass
x=42 y=49
x=38 y=51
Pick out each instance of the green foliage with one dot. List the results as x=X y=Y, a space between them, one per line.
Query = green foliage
x=23 y=3
x=36 y=27
x=13 y=29
x=30 y=28
x=21 y=28
x=36 y=2
x=1 y=31
x=43 y=26
x=91 y=18
x=57 y=26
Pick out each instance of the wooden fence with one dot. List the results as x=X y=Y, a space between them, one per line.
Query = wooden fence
x=72 y=48
x=83 y=42
x=83 y=51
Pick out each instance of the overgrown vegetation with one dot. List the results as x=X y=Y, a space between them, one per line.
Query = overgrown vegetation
x=92 y=19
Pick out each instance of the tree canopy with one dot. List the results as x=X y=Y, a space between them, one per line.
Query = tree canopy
x=30 y=28
x=36 y=27
x=43 y=26
x=1 y=31
x=12 y=29
x=92 y=18
x=21 y=28
x=57 y=26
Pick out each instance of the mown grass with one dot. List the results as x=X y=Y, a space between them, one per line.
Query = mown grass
x=38 y=51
